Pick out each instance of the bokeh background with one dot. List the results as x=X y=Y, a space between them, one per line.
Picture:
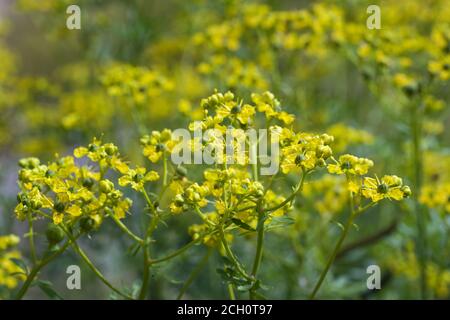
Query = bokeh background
x=59 y=88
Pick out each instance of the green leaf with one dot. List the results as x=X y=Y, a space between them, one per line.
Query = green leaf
x=134 y=249
x=13 y=274
x=47 y=288
x=245 y=287
x=21 y=264
x=242 y=225
x=279 y=222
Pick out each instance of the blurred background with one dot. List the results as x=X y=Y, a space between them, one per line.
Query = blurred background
x=59 y=88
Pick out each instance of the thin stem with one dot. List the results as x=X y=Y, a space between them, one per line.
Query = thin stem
x=231 y=256
x=291 y=197
x=34 y=272
x=415 y=127
x=333 y=256
x=194 y=274
x=125 y=229
x=164 y=170
x=94 y=269
x=151 y=228
x=231 y=291
x=31 y=238
x=177 y=252
x=259 y=242
x=203 y=217
x=353 y=213
x=259 y=245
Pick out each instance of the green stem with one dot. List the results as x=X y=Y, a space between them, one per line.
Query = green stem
x=34 y=272
x=417 y=165
x=291 y=197
x=94 y=269
x=333 y=256
x=254 y=150
x=177 y=252
x=31 y=238
x=164 y=170
x=231 y=256
x=151 y=228
x=231 y=291
x=194 y=274
x=125 y=229
x=260 y=239
x=259 y=245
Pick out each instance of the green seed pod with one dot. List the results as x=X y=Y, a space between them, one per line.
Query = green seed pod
x=88 y=182
x=346 y=165
x=321 y=162
x=160 y=147
x=35 y=204
x=236 y=109
x=382 y=188
x=299 y=159
x=87 y=224
x=179 y=201
x=49 y=173
x=54 y=234
x=181 y=171
x=92 y=147
x=59 y=206
x=110 y=149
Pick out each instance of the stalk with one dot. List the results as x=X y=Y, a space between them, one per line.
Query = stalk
x=34 y=272
x=417 y=167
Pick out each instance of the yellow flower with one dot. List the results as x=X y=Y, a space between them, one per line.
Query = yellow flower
x=349 y=164
x=74 y=211
x=137 y=178
x=157 y=143
x=440 y=68
x=390 y=187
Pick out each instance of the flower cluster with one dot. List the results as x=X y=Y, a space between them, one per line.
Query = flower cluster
x=10 y=272
x=68 y=193
x=138 y=83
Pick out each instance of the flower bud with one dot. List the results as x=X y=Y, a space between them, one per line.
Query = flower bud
x=36 y=204
x=54 y=233
x=166 y=135
x=321 y=162
x=87 y=224
x=406 y=191
x=324 y=152
x=229 y=96
x=59 y=206
x=299 y=158
x=110 y=149
x=179 y=201
x=106 y=186
x=327 y=139
x=181 y=171
x=88 y=182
